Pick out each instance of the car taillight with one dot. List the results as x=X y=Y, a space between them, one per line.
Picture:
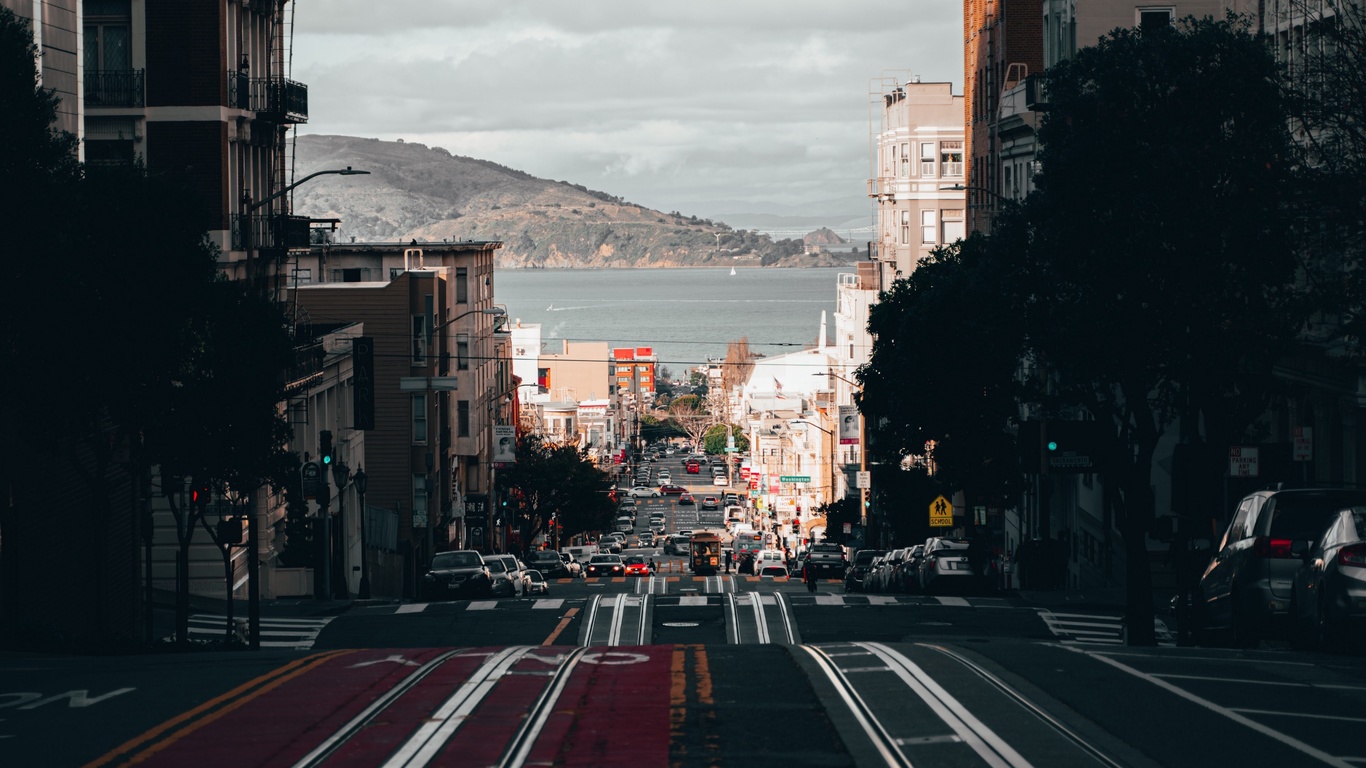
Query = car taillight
x=1265 y=546
x=1354 y=555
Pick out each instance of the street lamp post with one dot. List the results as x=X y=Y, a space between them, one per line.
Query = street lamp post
x=862 y=446
x=341 y=474
x=361 y=480
x=251 y=207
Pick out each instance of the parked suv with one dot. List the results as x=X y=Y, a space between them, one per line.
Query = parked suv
x=1246 y=590
x=858 y=570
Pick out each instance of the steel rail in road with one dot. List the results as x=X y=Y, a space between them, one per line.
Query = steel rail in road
x=1029 y=706
x=357 y=724
x=432 y=735
x=520 y=747
x=966 y=728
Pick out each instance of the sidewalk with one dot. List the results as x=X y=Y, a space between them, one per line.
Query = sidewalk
x=1096 y=599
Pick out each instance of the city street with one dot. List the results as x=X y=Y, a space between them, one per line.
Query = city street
x=724 y=669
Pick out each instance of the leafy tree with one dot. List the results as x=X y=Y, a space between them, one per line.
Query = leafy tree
x=715 y=440
x=555 y=482
x=1178 y=260
x=177 y=367
x=942 y=371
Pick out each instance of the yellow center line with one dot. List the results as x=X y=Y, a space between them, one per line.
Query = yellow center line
x=568 y=617
x=230 y=701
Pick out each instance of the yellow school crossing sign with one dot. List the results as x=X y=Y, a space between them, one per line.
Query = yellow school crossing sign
x=941 y=513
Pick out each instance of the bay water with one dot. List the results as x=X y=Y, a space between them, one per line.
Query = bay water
x=688 y=315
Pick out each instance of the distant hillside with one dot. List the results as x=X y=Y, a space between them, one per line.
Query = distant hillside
x=428 y=194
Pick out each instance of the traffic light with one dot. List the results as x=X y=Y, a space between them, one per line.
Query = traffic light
x=199 y=496
x=325 y=448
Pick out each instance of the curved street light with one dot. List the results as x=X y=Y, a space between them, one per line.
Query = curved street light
x=249 y=230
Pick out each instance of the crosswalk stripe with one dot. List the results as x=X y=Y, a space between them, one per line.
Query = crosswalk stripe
x=548 y=603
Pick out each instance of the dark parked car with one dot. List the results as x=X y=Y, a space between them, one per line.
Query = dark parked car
x=1246 y=590
x=460 y=573
x=548 y=562
x=858 y=570
x=1329 y=601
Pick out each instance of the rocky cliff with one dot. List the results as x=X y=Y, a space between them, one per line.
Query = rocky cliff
x=414 y=192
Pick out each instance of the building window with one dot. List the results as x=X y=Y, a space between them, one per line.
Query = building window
x=905 y=227
x=927 y=158
x=905 y=160
x=953 y=223
x=927 y=227
x=951 y=158
x=462 y=285
x=462 y=351
x=108 y=55
x=419 y=495
x=303 y=276
x=420 y=419
x=419 y=340
x=462 y=418
x=1151 y=19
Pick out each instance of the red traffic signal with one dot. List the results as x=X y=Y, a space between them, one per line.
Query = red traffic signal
x=199 y=496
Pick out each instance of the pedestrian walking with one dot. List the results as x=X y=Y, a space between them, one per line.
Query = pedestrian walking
x=809 y=576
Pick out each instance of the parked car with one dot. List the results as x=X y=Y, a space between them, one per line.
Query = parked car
x=945 y=566
x=644 y=490
x=1328 y=602
x=882 y=574
x=571 y=565
x=534 y=583
x=858 y=569
x=548 y=562
x=460 y=573
x=514 y=569
x=1246 y=591
x=502 y=583
x=676 y=545
x=606 y=565
x=909 y=572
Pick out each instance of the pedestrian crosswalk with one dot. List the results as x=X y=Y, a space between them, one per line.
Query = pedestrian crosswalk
x=1095 y=628
x=299 y=634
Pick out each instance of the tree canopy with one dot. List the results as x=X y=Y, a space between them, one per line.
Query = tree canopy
x=555 y=482
x=1150 y=277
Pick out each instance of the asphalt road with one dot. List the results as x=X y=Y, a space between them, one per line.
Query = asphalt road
x=684 y=670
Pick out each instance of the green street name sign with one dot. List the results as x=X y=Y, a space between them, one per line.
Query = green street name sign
x=794 y=478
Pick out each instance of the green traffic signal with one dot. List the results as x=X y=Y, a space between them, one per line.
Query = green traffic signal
x=1052 y=445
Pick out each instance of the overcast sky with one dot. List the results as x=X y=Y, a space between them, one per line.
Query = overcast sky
x=693 y=105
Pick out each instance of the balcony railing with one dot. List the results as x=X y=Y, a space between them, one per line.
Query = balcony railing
x=270 y=232
x=114 y=88
x=277 y=99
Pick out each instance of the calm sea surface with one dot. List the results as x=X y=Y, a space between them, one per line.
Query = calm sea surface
x=687 y=315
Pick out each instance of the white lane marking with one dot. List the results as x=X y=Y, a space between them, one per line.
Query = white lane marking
x=1298 y=714
x=692 y=601
x=591 y=619
x=548 y=603
x=1289 y=741
x=767 y=599
x=954 y=601
x=1256 y=682
x=1089 y=616
x=789 y=626
x=991 y=748
x=1226 y=659
x=412 y=608
x=829 y=599
x=482 y=605
x=618 y=617
x=881 y=600
x=428 y=740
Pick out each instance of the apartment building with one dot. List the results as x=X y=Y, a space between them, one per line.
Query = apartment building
x=917 y=175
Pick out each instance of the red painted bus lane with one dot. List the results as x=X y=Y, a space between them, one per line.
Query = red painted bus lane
x=614 y=710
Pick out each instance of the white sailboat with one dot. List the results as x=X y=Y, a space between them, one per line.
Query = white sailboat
x=732 y=271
